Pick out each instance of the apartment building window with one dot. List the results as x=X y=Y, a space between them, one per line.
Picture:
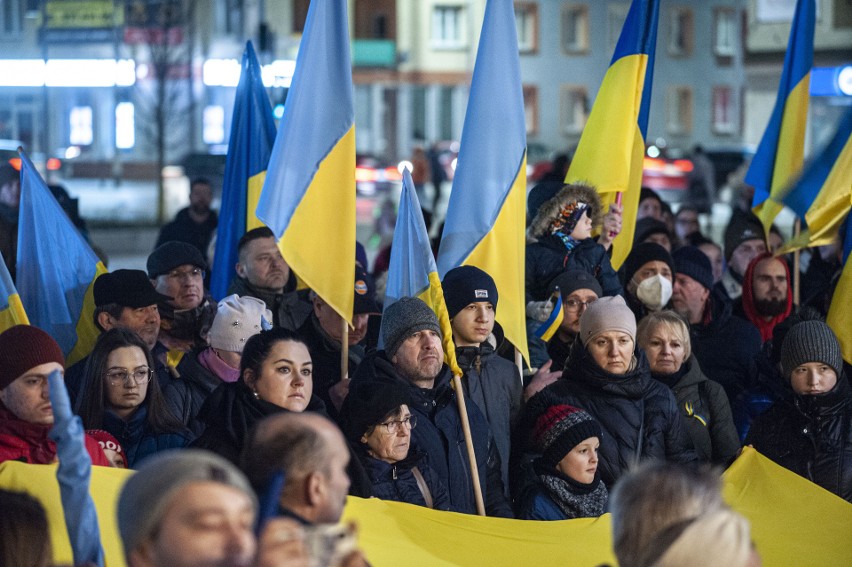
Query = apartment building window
x=82 y=133
x=229 y=17
x=574 y=28
x=12 y=16
x=447 y=27
x=724 y=32
x=679 y=110
x=125 y=126
x=724 y=115
x=213 y=130
x=681 y=31
x=526 y=23
x=573 y=109
x=531 y=109
x=616 y=14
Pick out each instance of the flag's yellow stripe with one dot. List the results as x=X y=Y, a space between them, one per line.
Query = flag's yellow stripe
x=433 y=296
x=13 y=314
x=554 y=326
x=839 y=311
x=255 y=184
x=790 y=152
x=319 y=243
x=87 y=332
x=506 y=241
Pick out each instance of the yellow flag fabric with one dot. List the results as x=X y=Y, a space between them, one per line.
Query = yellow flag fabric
x=838 y=314
x=794 y=522
x=433 y=296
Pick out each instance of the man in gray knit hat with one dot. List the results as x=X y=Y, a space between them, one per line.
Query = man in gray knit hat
x=414 y=357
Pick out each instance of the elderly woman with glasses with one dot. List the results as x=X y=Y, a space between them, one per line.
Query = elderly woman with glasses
x=377 y=421
x=119 y=396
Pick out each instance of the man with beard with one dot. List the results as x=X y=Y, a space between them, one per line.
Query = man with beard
x=323 y=333
x=766 y=299
x=196 y=223
x=263 y=273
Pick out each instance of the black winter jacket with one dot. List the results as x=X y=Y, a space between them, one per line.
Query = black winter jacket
x=185 y=395
x=548 y=258
x=397 y=481
x=495 y=385
x=811 y=436
x=726 y=347
x=439 y=435
x=707 y=415
x=638 y=415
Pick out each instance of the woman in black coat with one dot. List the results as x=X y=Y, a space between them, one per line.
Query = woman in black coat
x=377 y=421
x=810 y=432
x=609 y=377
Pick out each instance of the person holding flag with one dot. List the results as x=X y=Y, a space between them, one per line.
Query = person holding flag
x=561 y=239
x=491 y=381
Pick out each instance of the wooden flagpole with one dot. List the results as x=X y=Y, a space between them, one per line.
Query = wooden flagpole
x=344 y=351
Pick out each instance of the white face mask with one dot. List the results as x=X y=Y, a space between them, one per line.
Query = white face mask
x=654 y=292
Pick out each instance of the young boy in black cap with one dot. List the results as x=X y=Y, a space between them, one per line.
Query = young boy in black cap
x=491 y=381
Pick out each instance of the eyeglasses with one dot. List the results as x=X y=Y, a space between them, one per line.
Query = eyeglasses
x=194 y=273
x=393 y=425
x=139 y=376
x=575 y=304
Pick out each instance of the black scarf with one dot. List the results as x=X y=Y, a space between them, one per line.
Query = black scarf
x=575 y=499
x=188 y=324
x=672 y=379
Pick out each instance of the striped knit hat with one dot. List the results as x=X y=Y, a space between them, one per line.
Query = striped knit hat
x=560 y=428
x=810 y=341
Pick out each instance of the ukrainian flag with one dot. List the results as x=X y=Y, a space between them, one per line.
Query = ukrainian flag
x=308 y=198
x=822 y=197
x=486 y=215
x=412 y=271
x=11 y=310
x=780 y=154
x=838 y=313
x=56 y=268
x=547 y=329
x=611 y=151
x=249 y=148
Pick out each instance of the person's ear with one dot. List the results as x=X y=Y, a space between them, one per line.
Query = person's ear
x=142 y=556
x=240 y=269
x=314 y=488
x=106 y=321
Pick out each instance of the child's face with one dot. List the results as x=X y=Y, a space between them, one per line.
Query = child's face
x=583 y=229
x=581 y=462
x=115 y=458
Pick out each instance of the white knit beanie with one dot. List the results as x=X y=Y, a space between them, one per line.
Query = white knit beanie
x=237 y=319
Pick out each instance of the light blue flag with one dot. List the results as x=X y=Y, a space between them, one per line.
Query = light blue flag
x=412 y=271
x=56 y=268
x=486 y=215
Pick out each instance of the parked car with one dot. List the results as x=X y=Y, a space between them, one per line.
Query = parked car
x=373 y=175
x=667 y=171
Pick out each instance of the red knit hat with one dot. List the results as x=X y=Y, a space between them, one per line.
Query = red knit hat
x=23 y=347
x=560 y=428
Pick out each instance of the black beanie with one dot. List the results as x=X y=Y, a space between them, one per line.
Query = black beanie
x=465 y=285
x=643 y=253
x=367 y=404
x=742 y=229
x=692 y=262
x=570 y=281
x=810 y=341
x=649 y=226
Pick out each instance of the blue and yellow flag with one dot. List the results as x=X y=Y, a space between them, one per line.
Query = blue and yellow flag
x=822 y=197
x=56 y=268
x=11 y=309
x=412 y=271
x=611 y=151
x=547 y=329
x=249 y=148
x=486 y=214
x=780 y=154
x=308 y=198
x=838 y=313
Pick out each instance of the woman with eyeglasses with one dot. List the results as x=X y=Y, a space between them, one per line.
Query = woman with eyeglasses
x=377 y=421
x=120 y=397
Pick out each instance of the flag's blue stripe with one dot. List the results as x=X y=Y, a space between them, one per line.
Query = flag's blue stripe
x=249 y=147
x=487 y=164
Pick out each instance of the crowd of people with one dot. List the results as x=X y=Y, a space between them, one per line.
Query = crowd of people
x=244 y=412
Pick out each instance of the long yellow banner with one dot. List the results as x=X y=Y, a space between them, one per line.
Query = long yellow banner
x=794 y=522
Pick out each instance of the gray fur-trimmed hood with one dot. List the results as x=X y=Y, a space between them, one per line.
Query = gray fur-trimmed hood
x=539 y=226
